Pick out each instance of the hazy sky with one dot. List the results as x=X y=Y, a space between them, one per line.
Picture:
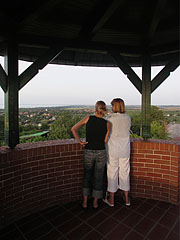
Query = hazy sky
x=72 y=85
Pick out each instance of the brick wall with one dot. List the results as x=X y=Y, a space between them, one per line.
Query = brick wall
x=155 y=170
x=35 y=176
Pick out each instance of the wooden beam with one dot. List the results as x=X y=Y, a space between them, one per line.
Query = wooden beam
x=146 y=96
x=40 y=63
x=102 y=12
x=164 y=73
x=126 y=69
x=3 y=79
x=11 y=132
x=78 y=44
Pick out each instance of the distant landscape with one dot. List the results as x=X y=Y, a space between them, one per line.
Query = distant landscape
x=46 y=123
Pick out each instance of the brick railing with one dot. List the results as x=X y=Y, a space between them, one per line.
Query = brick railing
x=35 y=176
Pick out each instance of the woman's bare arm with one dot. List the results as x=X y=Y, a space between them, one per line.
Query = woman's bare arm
x=108 y=131
x=76 y=127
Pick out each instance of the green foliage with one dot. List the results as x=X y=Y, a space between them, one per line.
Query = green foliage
x=34 y=139
x=156 y=114
x=136 y=123
x=44 y=125
x=61 y=128
x=158 y=130
x=157 y=124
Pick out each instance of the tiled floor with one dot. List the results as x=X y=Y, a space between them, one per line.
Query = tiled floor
x=144 y=219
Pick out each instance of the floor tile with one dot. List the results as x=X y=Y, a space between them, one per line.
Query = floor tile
x=12 y=235
x=69 y=225
x=134 y=236
x=79 y=232
x=93 y=235
x=144 y=226
x=132 y=219
x=176 y=227
x=173 y=236
x=32 y=224
x=52 y=235
x=122 y=213
x=155 y=214
x=158 y=233
x=107 y=225
x=168 y=220
x=39 y=232
x=144 y=208
x=97 y=219
x=119 y=232
x=61 y=219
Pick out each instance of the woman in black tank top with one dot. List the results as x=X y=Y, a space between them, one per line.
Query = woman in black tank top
x=97 y=132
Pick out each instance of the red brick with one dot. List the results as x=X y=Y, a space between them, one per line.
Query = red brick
x=164 y=162
x=164 y=147
x=146 y=151
x=154 y=175
x=153 y=156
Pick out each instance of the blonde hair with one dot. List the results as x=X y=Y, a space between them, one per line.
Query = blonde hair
x=101 y=108
x=118 y=105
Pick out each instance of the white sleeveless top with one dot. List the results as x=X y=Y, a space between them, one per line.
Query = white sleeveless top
x=118 y=145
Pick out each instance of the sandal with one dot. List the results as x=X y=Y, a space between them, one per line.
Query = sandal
x=108 y=203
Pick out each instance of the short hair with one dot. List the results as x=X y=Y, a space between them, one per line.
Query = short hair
x=101 y=108
x=119 y=105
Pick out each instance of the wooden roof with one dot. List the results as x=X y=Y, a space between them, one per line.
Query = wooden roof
x=88 y=30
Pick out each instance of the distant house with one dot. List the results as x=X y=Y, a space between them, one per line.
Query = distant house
x=173 y=130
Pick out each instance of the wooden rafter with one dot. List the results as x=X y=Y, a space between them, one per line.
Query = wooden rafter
x=3 y=79
x=45 y=6
x=156 y=17
x=40 y=63
x=164 y=73
x=126 y=69
x=100 y=16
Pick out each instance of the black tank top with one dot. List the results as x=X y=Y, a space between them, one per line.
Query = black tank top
x=96 y=129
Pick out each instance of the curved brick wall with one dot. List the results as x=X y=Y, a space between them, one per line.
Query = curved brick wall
x=35 y=176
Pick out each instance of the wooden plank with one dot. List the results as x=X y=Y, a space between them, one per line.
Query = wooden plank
x=164 y=73
x=126 y=69
x=3 y=79
x=40 y=63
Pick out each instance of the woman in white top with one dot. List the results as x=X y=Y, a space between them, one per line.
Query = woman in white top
x=118 y=151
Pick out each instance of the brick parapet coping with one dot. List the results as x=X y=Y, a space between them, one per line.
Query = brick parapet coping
x=34 y=176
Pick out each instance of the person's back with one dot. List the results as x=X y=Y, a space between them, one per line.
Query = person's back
x=121 y=123
x=96 y=129
x=119 y=138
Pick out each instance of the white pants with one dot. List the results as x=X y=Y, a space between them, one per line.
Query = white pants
x=118 y=174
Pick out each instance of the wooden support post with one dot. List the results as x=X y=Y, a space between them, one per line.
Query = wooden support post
x=11 y=95
x=146 y=96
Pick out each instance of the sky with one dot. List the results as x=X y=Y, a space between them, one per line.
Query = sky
x=58 y=85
